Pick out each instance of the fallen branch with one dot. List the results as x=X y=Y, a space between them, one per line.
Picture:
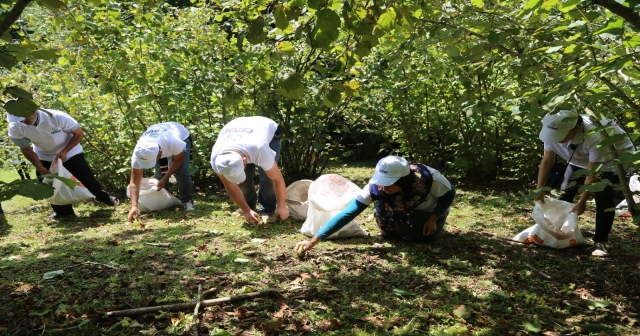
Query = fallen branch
x=158 y=244
x=195 y=311
x=92 y=263
x=189 y=305
x=538 y=271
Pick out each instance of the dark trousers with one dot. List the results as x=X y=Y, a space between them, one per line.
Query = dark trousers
x=79 y=168
x=604 y=200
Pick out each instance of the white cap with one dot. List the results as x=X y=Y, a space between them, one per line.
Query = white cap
x=145 y=154
x=389 y=170
x=555 y=127
x=230 y=165
x=13 y=118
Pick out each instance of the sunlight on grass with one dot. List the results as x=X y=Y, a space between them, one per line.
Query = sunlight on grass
x=471 y=281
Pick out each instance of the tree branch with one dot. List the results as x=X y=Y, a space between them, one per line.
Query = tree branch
x=623 y=11
x=13 y=15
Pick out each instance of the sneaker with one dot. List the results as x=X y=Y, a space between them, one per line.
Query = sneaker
x=114 y=201
x=188 y=206
x=63 y=217
x=599 y=250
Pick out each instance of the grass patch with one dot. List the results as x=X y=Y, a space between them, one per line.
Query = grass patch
x=473 y=281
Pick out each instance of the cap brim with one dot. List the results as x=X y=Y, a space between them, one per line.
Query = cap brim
x=236 y=179
x=552 y=136
x=383 y=181
x=145 y=164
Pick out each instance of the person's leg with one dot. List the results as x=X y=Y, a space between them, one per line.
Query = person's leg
x=248 y=188
x=267 y=194
x=605 y=200
x=183 y=176
x=59 y=210
x=158 y=169
x=570 y=192
x=78 y=167
x=417 y=226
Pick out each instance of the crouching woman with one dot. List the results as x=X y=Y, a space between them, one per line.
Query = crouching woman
x=411 y=202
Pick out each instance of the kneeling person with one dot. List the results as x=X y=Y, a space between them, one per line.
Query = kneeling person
x=165 y=140
x=411 y=202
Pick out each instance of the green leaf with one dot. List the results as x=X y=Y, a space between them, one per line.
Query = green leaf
x=233 y=94
x=595 y=187
x=613 y=27
x=597 y=304
x=52 y=274
x=17 y=92
x=45 y=54
x=7 y=61
x=264 y=73
x=402 y=292
x=95 y=3
x=21 y=107
x=529 y=6
x=462 y=311
x=332 y=98
x=326 y=30
x=493 y=37
x=255 y=32
x=478 y=3
x=568 y=5
x=293 y=82
x=571 y=48
x=388 y=19
x=54 y=4
x=532 y=326
x=612 y=139
x=364 y=27
x=548 y=4
x=553 y=49
x=286 y=48
x=316 y=4
x=35 y=189
x=66 y=181
x=281 y=17
x=327 y=267
x=363 y=48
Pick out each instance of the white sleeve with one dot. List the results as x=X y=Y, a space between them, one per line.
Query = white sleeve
x=66 y=123
x=265 y=157
x=364 y=196
x=440 y=185
x=174 y=146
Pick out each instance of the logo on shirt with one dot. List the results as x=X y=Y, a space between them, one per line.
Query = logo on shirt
x=55 y=130
x=233 y=138
x=237 y=130
x=552 y=126
x=152 y=133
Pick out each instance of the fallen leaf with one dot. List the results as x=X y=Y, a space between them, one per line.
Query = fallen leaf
x=52 y=274
x=402 y=291
x=533 y=326
x=330 y=324
x=462 y=311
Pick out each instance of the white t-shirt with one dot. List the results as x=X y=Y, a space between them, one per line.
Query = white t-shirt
x=50 y=135
x=251 y=136
x=587 y=146
x=169 y=136
x=439 y=187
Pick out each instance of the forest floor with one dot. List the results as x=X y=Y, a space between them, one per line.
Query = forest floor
x=473 y=281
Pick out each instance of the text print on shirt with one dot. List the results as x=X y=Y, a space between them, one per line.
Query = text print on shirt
x=152 y=133
x=55 y=130
x=237 y=130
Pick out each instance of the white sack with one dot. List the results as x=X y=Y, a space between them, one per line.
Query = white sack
x=63 y=195
x=298 y=199
x=634 y=185
x=555 y=226
x=152 y=199
x=328 y=195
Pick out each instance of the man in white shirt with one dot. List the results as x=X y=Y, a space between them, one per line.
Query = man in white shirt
x=55 y=135
x=165 y=140
x=242 y=144
x=573 y=138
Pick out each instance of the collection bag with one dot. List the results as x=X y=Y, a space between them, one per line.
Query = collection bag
x=63 y=195
x=298 y=199
x=555 y=226
x=152 y=199
x=328 y=195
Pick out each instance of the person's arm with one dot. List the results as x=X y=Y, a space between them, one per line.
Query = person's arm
x=76 y=135
x=134 y=192
x=176 y=163
x=444 y=202
x=584 y=197
x=236 y=195
x=33 y=158
x=281 y=191
x=337 y=222
x=546 y=165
